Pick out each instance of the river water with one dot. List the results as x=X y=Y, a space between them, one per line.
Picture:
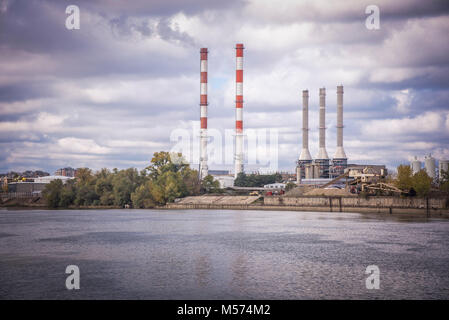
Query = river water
x=220 y=254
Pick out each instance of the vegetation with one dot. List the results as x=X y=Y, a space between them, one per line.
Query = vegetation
x=256 y=180
x=404 y=178
x=444 y=181
x=167 y=177
x=418 y=183
x=289 y=186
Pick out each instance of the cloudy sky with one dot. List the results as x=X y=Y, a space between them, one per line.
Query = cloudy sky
x=113 y=92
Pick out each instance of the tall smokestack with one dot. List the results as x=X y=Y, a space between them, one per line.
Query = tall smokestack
x=340 y=152
x=322 y=153
x=305 y=154
x=203 y=113
x=239 y=110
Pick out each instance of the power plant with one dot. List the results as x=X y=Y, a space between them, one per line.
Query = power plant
x=321 y=167
x=321 y=170
x=307 y=168
x=430 y=166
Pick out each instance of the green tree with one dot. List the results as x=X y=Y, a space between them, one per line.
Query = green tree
x=421 y=182
x=141 y=197
x=104 y=187
x=52 y=193
x=210 y=185
x=191 y=181
x=68 y=193
x=241 y=180
x=124 y=183
x=256 y=180
x=404 y=177
x=289 y=186
x=444 y=180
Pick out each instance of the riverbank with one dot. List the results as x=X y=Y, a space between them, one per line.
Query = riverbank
x=435 y=207
x=430 y=207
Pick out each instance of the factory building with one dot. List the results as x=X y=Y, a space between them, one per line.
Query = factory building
x=36 y=186
x=430 y=166
x=321 y=167
x=443 y=165
x=66 y=172
x=415 y=165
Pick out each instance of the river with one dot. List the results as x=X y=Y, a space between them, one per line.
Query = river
x=220 y=254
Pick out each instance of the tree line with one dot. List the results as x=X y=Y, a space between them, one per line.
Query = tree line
x=419 y=183
x=164 y=180
x=256 y=180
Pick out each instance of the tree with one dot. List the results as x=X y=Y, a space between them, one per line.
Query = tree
x=141 y=197
x=289 y=186
x=256 y=180
x=164 y=161
x=191 y=181
x=68 y=193
x=104 y=187
x=404 y=178
x=240 y=181
x=444 y=180
x=52 y=193
x=210 y=185
x=421 y=183
x=124 y=183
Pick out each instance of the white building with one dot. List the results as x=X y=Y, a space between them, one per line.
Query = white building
x=225 y=181
x=275 y=186
x=48 y=179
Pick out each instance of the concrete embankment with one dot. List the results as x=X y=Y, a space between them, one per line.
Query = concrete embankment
x=388 y=205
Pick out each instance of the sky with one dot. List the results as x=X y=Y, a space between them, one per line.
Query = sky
x=118 y=89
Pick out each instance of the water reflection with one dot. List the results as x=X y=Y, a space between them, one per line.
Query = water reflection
x=200 y=254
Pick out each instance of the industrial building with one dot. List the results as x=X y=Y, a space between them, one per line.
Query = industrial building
x=430 y=166
x=35 y=186
x=443 y=165
x=66 y=172
x=319 y=170
x=321 y=167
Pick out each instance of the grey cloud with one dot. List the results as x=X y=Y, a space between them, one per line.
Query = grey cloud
x=123 y=26
x=104 y=53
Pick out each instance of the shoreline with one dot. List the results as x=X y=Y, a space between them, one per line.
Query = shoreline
x=421 y=212
x=416 y=212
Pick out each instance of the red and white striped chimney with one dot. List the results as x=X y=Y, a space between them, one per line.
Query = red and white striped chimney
x=239 y=110
x=203 y=113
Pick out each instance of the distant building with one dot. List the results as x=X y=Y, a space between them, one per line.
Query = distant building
x=49 y=179
x=26 y=187
x=218 y=172
x=35 y=187
x=443 y=165
x=288 y=177
x=356 y=169
x=66 y=172
x=275 y=186
x=225 y=181
x=316 y=182
x=223 y=177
